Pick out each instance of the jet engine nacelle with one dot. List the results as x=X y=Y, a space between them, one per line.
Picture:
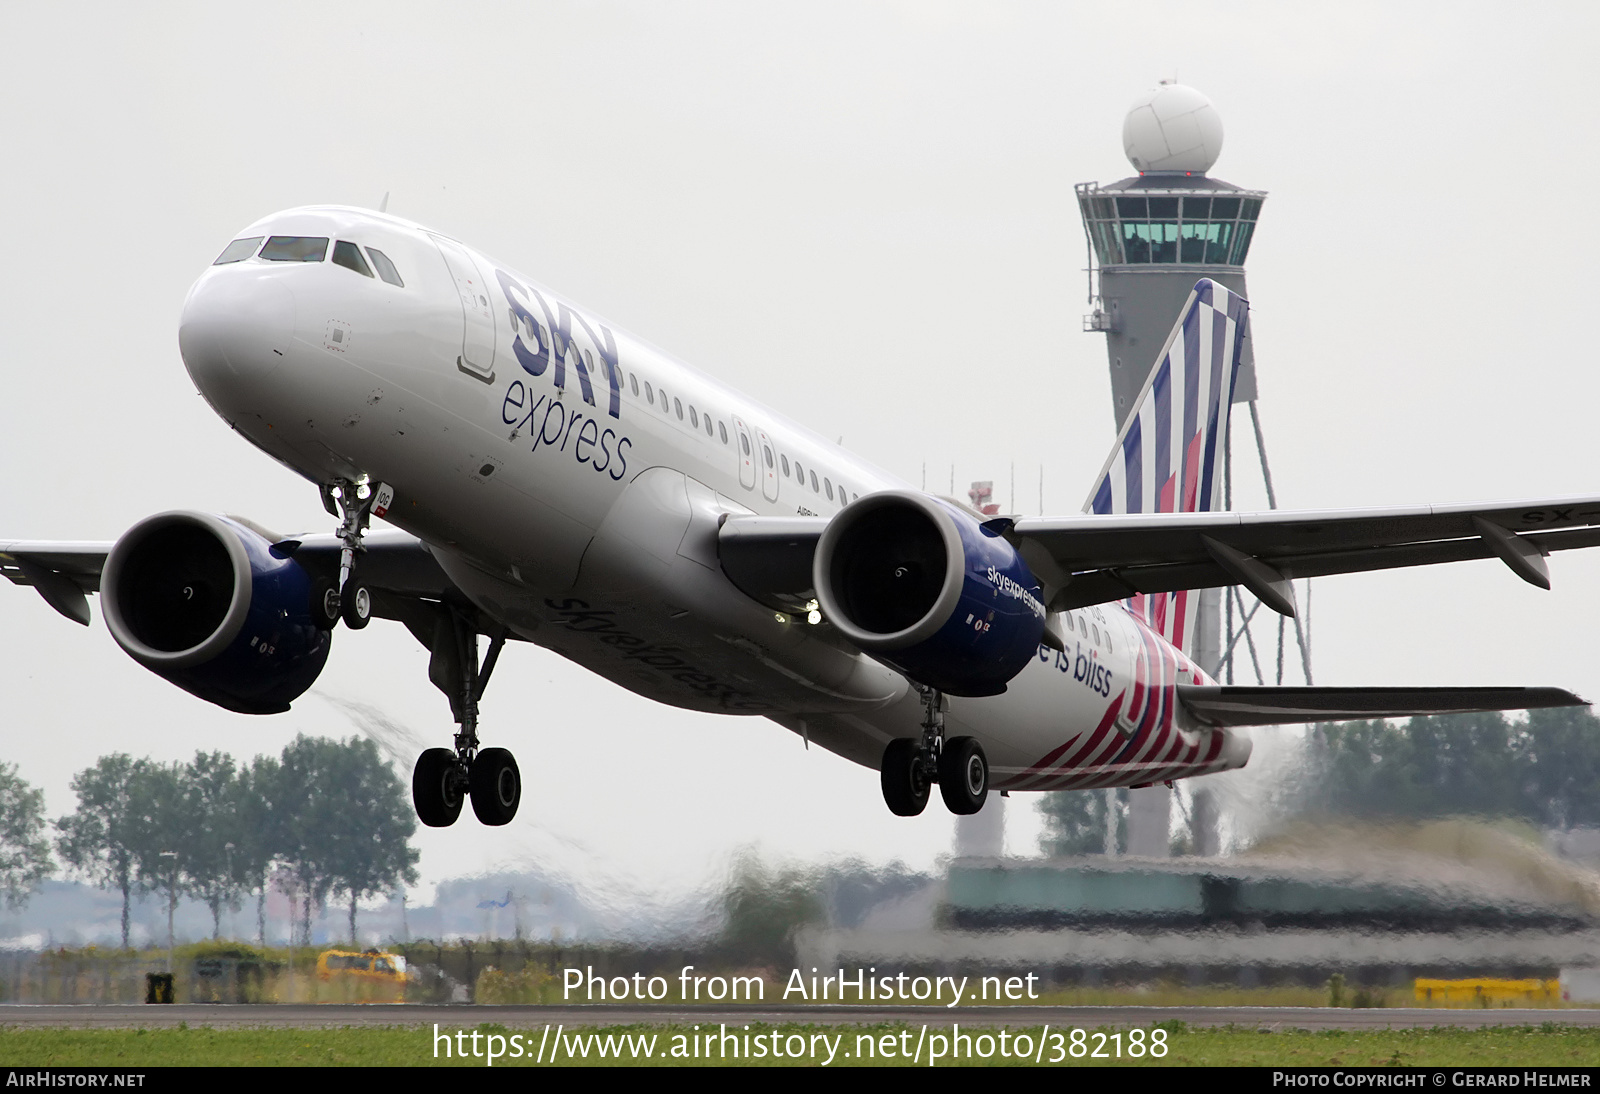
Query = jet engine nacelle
x=206 y=603
x=921 y=585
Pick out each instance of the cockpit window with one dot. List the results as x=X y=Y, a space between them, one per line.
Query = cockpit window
x=386 y=268
x=348 y=255
x=238 y=251
x=295 y=249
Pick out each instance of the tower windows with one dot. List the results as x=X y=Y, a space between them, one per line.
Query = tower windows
x=1159 y=226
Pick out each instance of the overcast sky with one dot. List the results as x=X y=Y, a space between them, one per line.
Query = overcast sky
x=860 y=213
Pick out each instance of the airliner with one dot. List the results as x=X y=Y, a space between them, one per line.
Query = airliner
x=540 y=475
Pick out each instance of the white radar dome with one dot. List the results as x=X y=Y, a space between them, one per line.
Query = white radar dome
x=1172 y=128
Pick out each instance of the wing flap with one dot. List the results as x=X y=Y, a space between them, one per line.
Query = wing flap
x=1225 y=705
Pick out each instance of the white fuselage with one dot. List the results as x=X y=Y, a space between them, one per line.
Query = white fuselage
x=570 y=479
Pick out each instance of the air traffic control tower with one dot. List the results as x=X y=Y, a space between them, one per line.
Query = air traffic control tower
x=1152 y=236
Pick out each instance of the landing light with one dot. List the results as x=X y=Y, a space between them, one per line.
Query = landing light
x=813 y=616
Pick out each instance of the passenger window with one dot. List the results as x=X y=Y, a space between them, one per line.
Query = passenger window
x=679 y=404
x=348 y=255
x=785 y=460
x=744 y=444
x=829 y=484
x=385 y=268
x=633 y=382
x=799 y=472
x=767 y=454
x=1096 y=631
x=649 y=395
x=694 y=418
x=238 y=250
x=665 y=408
x=814 y=489
x=295 y=249
x=722 y=431
x=708 y=425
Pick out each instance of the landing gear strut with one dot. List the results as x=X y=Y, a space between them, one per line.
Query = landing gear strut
x=354 y=503
x=444 y=779
x=911 y=766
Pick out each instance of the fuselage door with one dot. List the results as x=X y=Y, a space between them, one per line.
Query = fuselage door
x=769 y=466
x=747 y=454
x=477 y=341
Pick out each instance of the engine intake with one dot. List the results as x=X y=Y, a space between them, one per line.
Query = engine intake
x=204 y=602
x=921 y=585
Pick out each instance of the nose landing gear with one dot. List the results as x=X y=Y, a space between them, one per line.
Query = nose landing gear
x=911 y=766
x=355 y=504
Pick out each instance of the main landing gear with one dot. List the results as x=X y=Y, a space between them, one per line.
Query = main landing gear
x=910 y=767
x=445 y=778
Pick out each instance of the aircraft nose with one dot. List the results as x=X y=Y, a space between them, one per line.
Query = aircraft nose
x=236 y=328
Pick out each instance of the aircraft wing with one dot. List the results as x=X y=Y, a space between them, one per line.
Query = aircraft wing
x=62 y=571
x=1257 y=706
x=396 y=566
x=1092 y=559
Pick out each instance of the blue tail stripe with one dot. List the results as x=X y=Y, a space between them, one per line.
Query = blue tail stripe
x=1191 y=398
x=1161 y=391
x=1219 y=405
x=1133 y=461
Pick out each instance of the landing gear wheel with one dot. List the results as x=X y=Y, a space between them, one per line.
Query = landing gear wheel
x=436 y=788
x=963 y=775
x=356 y=605
x=325 y=604
x=496 y=786
x=905 y=784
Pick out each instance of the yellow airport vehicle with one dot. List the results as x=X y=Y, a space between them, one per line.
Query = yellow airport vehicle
x=1487 y=993
x=366 y=977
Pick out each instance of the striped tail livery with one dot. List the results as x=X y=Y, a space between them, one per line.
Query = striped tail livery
x=1169 y=455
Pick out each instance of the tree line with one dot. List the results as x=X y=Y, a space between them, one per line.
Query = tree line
x=329 y=817
x=1543 y=768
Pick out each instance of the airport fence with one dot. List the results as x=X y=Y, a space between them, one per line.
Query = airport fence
x=466 y=971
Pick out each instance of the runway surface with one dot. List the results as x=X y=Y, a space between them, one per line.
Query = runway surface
x=462 y=1016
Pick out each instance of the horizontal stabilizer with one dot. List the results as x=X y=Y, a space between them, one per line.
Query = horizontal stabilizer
x=1244 y=706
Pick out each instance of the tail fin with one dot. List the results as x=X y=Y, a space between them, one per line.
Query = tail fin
x=1169 y=456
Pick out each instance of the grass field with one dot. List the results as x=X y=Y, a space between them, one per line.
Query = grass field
x=1550 y=1044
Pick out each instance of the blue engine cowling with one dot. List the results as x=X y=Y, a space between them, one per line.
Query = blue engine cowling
x=921 y=585
x=204 y=602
